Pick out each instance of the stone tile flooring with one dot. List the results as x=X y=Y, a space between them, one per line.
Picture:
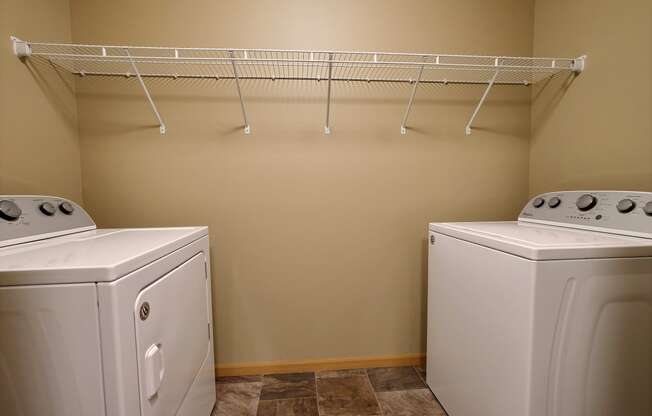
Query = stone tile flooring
x=395 y=391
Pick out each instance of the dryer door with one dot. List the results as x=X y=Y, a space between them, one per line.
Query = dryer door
x=172 y=336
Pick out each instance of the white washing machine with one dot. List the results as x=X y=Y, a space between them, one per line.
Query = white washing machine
x=101 y=321
x=547 y=316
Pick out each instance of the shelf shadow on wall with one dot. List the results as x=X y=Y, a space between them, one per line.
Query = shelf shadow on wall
x=57 y=87
x=166 y=90
x=546 y=96
x=225 y=92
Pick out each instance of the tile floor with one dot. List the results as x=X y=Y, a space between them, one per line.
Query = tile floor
x=394 y=391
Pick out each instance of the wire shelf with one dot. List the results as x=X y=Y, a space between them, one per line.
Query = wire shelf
x=297 y=64
x=271 y=64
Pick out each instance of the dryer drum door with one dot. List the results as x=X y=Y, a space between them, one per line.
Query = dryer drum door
x=172 y=336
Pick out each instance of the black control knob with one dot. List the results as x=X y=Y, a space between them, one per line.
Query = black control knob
x=586 y=202
x=625 y=206
x=47 y=209
x=538 y=202
x=66 y=207
x=648 y=208
x=9 y=210
x=554 y=202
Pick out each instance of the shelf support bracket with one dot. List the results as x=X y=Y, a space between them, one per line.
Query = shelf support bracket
x=477 y=108
x=409 y=107
x=247 y=127
x=149 y=97
x=327 y=127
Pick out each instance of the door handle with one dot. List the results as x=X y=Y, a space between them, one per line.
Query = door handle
x=154 y=370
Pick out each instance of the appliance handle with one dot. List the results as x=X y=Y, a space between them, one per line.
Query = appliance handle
x=154 y=370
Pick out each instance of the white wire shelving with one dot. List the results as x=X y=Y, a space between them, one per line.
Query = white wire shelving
x=301 y=65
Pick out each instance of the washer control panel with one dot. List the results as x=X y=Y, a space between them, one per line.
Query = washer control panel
x=29 y=218
x=619 y=212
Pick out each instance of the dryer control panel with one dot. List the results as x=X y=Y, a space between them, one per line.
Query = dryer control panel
x=618 y=212
x=30 y=217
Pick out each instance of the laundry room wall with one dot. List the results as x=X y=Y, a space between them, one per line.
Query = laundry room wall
x=318 y=242
x=39 y=144
x=594 y=131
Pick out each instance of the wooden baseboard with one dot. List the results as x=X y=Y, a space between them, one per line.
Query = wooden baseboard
x=276 y=367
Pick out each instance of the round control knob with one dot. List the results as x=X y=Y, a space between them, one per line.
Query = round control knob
x=538 y=202
x=554 y=202
x=648 y=208
x=47 y=209
x=586 y=202
x=66 y=207
x=626 y=205
x=9 y=210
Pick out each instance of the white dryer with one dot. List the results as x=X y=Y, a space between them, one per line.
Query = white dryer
x=547 y=316
x=113 y=322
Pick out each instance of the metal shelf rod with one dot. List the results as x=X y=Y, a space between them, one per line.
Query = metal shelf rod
x=467 y=129
x=363 y=64
x=247 y=128
x=149 y=97
x=409 y=54
x=407 y=110
x=327 y=127
x=277 y=78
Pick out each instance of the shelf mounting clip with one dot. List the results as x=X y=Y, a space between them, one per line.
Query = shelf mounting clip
x=247 y=127
x=327 y=127
x=409 y=107
x=467 y=130
x=149 y=97
x=577 y=66
x=21 y=48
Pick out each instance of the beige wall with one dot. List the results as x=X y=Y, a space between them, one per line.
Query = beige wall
x=594 y=132
x=318 y=243
x=39 y=144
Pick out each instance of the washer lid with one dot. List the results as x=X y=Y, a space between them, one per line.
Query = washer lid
x=91 y=256
x=543 y=242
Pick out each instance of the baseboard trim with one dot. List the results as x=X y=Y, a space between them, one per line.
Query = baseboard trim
x=276 y=367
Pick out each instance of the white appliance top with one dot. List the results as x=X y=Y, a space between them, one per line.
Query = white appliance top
x=47 y=248
x=541 y=242
x=568 y=225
